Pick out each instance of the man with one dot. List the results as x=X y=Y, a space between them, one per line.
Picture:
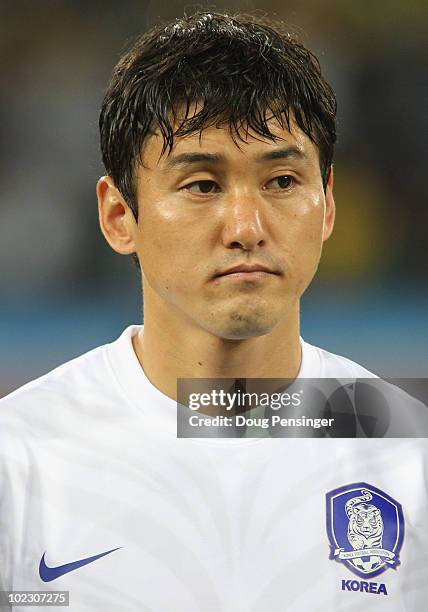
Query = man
x=217 y=134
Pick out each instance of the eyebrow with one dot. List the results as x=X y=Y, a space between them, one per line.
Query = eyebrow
x=290 y=152
x=187 y=159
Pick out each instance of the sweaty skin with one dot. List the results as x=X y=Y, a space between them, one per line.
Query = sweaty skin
x=209 y=206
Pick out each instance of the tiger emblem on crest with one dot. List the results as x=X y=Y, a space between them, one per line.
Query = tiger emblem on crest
x=365 y=528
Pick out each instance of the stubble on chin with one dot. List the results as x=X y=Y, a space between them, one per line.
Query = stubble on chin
x=240 y=325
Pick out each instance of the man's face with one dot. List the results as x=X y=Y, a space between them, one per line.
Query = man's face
x=210 y=206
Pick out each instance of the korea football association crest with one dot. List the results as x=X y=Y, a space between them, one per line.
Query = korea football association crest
x=365 y=527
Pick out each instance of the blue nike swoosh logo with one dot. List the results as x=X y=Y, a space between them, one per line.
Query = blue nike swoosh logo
x=47 y=573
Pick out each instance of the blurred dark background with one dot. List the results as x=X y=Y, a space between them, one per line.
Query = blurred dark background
x=63 y=291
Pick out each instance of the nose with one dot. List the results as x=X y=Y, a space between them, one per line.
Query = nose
x=244 y=226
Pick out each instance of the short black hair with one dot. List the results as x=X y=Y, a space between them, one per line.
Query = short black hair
x=240 y=69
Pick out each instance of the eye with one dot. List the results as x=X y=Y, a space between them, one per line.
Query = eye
x=201 y=187
x=280 y=182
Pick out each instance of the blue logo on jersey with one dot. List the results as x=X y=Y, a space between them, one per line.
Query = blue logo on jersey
x=47 y=573
x=365 y=527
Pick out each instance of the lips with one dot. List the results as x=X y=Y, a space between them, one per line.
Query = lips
x=247 y=270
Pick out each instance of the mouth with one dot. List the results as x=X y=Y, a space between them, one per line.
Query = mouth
x=256 y=275
x=246 y=272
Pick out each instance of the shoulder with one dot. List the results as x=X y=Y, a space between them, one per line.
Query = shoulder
x=76 y=395
x=52 y=397
x=382 y=405
x=68 y=410
x=320 y=363
x=338 y=366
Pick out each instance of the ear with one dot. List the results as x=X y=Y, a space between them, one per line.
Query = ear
x=330 y=207
x=116 y=219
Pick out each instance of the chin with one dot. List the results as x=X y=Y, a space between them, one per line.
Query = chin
x=241 y=326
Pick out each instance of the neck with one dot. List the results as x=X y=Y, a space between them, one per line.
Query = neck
x=172 y=346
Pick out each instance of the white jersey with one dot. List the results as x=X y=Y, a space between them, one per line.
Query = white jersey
x=100 y=498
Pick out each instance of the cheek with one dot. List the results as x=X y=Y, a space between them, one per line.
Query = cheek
x=166 y=255
x=302 y=242
x=303 y=230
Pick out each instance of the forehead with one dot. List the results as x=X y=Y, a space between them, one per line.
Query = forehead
x=219 y=139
